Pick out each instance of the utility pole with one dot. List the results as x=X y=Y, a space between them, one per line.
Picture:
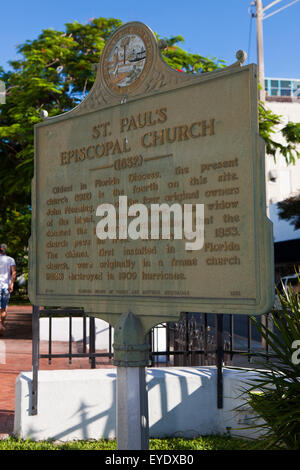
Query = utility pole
x=260 y=16
x=260 y=49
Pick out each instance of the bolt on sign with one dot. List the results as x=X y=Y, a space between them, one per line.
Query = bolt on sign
x=149 y=196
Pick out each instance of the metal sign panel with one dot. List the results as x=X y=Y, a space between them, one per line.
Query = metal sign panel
x=149 y=135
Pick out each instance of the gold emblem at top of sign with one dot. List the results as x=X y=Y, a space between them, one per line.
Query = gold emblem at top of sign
x=131 y=65
x=126 y=61
x=127 y=58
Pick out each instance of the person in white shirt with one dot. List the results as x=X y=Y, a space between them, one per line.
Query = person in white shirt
x=7 y=279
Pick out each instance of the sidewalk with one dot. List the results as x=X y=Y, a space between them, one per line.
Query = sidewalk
x=16 y=356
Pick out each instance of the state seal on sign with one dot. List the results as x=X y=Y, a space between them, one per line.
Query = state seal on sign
x=127 y=59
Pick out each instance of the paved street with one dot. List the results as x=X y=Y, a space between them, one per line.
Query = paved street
x=16 y=356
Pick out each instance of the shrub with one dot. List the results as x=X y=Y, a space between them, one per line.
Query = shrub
x=275 y=393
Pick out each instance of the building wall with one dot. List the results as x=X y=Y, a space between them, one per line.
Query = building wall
x=286 y=183
x=81 y=404
x=287 y=177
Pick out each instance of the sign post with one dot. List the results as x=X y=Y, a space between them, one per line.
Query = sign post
x=149 y=198
x=131 y=356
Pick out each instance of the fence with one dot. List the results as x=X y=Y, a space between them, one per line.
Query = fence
x=195 y=340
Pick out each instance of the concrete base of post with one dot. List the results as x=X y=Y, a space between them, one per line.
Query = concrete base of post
x=132 y=409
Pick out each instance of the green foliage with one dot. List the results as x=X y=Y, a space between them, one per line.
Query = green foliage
x=184 y=61
x=205 y=443
x=16 y=227
x=291 y=132
x=289 y=209
x=15 y=231
x=54 y=72
x=275 y=394
x=201 y=443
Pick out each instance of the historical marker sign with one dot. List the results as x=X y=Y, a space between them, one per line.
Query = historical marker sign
x=149 y=135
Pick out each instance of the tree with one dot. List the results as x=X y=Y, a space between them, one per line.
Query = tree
x=54 y=73
x=274 y=392
x=291 y=132
x=289 y=209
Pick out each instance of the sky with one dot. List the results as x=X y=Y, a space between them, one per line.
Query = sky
x=212 y=28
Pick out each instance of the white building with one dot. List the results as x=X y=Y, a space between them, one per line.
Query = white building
x=283 y=98
x=283 y=181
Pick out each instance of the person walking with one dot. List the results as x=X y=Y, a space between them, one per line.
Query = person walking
x=7 y=279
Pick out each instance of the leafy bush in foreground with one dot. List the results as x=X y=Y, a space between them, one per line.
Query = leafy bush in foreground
x=275 y=394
